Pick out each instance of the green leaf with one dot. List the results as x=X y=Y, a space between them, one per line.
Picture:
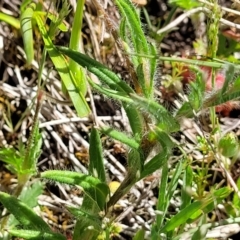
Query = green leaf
x=154 y=164
x=120 y=136
x=135 y=162
x=165 y=120
x=133 y=21
x=193 y=210
x=36 y=235
x=118 y=95
x=12 y=157
x=28 y=196
x=32 y=153
x=200 y=233
x=101 y=71
x=84 y=230
x=164 y=139
x=172 y=186
x=75 y=44
x=92 y=186
x=52 y=17
x=139 y=44
x=139 y=235
x=228 y=145
x=96 y=165
x=27 y=32
x=186 y=110
x=10 y=20
x=94 y=220
x=163 y=197
x=134 y=116
x=196 y=92
x=182 y=217
x=135 y=119
x=187 y=183
x=23 y=213
x=229 y=76
x=153 y=68
x=66 y=75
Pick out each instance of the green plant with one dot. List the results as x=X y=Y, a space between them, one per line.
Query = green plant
x=152 y=127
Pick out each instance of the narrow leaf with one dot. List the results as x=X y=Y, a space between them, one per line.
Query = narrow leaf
x=62 y=67
x=163 y=199
x=27 y=32
x=36 y=235
x=92 y=186
x=75 y=44
x=154 y=164
x=96 y=165
x=101 y=71
x=165 y=120
x=120 y=136
x=23 y=213
x=187 y=183
x=10 y=20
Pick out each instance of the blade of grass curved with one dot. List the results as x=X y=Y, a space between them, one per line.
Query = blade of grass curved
x=10 y=20
x=24 y=214
x=36 y=235
x=66 y=75
x=27 y=32
x=96 y=165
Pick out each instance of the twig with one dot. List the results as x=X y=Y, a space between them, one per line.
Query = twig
x=223 y=8
x=178 y=20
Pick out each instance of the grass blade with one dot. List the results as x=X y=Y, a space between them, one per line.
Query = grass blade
x=27 y=32
x=96 y=165
x=62 y=67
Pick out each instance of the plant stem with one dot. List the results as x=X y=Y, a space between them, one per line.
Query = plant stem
x=75 y=44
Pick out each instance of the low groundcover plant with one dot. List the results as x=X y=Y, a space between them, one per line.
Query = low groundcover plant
x=149 y=143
